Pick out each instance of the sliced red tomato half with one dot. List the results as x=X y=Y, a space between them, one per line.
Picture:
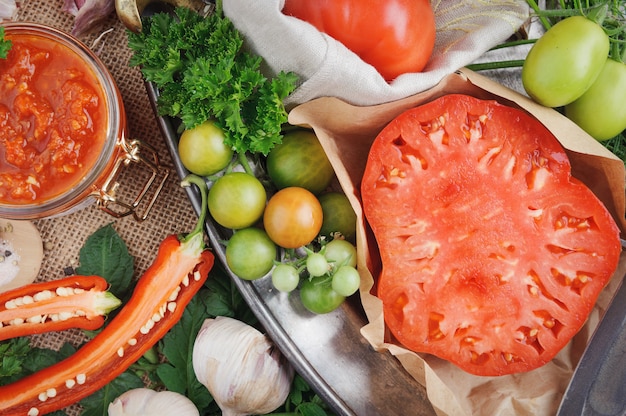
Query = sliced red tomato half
x=492 y=254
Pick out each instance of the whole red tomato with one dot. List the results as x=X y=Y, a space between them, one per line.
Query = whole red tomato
x=394 y=36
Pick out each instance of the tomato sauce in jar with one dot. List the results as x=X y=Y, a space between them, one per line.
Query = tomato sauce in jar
x=63 y=131
x=53 y=119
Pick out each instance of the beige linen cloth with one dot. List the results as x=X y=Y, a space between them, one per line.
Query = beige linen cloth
x=465 y=31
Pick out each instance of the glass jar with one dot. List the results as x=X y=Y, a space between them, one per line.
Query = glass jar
x=76 y=159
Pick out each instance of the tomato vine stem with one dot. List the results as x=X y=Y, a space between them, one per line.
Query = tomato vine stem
x=496 y=65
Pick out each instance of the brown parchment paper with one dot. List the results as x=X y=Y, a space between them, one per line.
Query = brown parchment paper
x=346 y=133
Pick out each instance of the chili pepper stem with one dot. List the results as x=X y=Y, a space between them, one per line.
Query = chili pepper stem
x=198 y=230
x=108 y=302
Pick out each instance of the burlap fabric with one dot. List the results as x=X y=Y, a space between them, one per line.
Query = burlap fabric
x=64 y=236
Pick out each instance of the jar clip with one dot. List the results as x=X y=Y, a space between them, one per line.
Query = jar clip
x=134 y=153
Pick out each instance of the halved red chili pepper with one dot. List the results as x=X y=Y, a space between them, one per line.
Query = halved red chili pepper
x=71 y=302
x=158 y=301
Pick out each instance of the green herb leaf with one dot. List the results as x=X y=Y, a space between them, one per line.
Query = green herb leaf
x=202 y=72
x=224 y=298
x=177 y=373
x=5 y=44
x=40 y=358
x=20 y=359
x=97 y=404
x=105 y=254
x=311 y=409
x=13 y=353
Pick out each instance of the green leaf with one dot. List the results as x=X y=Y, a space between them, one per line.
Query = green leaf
x=311 y=409
x=203 y=72
x=13 y=353
x=224 y=298
x=105 y=254
x=40 y=358
x=97 y=404
x=177 y=346
x=5 y=44
x=19 y=359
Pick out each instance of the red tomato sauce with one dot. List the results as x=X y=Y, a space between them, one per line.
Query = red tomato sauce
x=53 y=120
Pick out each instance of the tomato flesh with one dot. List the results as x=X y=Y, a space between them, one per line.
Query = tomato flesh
x=492 y=254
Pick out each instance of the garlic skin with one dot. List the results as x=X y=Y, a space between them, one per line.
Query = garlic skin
x=242 y=369
x=143 y=401
x=8 y=9
x=88 y=14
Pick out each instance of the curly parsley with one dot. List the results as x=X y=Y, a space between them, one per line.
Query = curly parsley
x=5 y=44
x=201 y=71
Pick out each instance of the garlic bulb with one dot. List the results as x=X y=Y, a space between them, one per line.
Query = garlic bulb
x=242 y=369
x=142 y=401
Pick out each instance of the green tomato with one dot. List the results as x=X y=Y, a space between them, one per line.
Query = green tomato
x=250 y=253
x=316 y=264
x=565 y=61
x=285 y=277
x=318 y=296
x=300 y=161
x=237 y=200
x=338 y=216
x=202 y=150
x=340 y=253
x=601 y=110
x=346 y=281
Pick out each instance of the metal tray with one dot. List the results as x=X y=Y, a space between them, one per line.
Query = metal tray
x=328 y=350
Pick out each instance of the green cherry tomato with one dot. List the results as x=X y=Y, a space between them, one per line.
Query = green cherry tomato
x=250 y=253
x=601 y=110
x=338 y=216
x=346 y=281
x=316 y=264
x=237 y=200
x=202 y=150
x=300 y=161
x=292 y=217
x=318 y=296
x=340 y=253
x=565 y=61
x=285 y=277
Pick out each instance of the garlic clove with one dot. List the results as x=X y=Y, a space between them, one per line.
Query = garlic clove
x=21 y=253
x=242 y=369
x=144 y=401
